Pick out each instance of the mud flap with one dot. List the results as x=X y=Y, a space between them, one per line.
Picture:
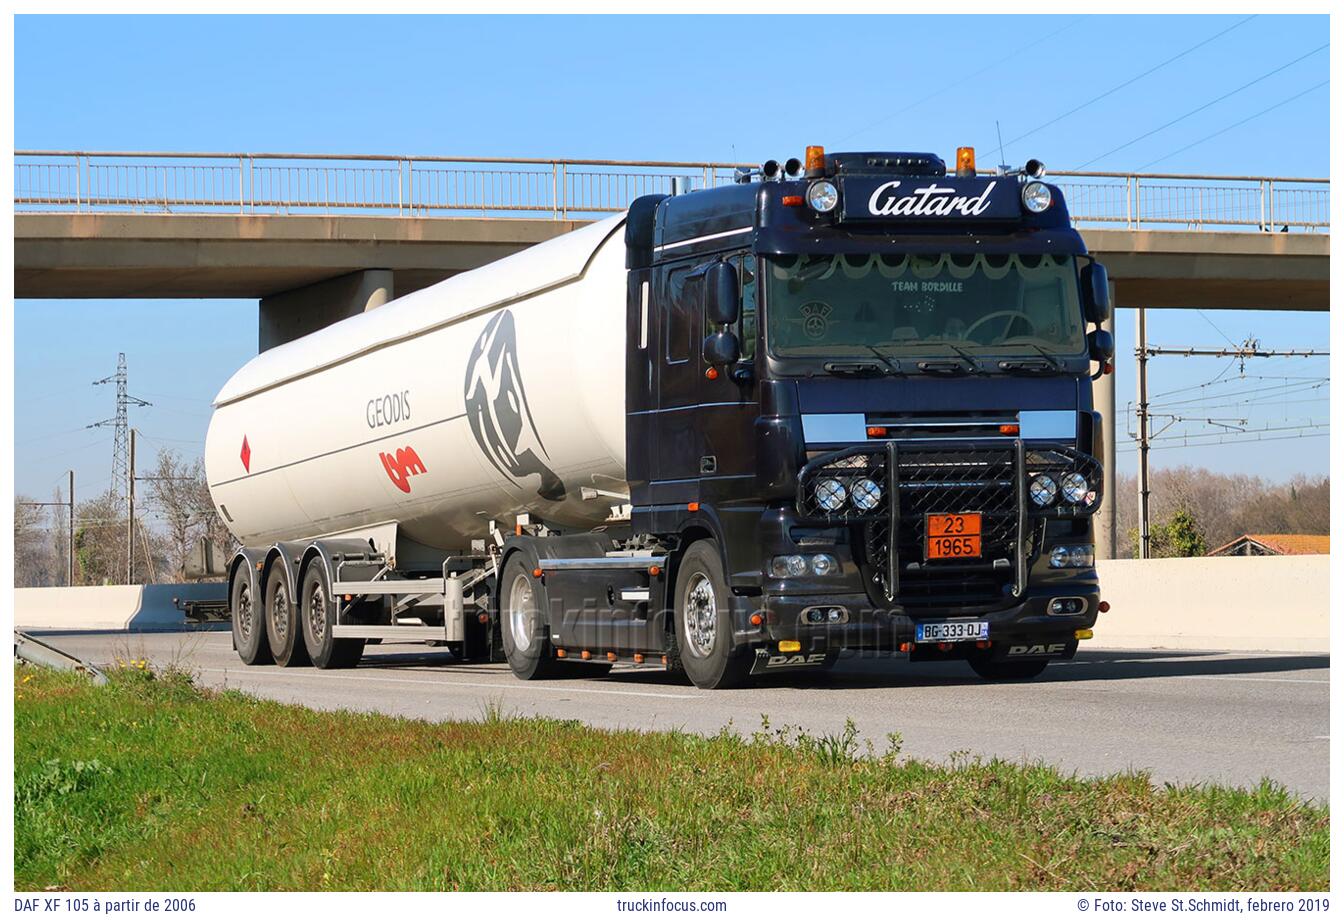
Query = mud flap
x=767 y=663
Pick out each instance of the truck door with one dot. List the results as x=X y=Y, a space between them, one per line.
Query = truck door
x=674 y=471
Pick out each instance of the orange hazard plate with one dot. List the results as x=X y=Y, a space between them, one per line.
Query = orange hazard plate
x=952 y=536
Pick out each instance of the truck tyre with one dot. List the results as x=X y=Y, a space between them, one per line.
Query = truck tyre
x=282 y=621
x=522 y=623
x=249 y=632
x=702 y=633
x=317 y=611
x=990 y=669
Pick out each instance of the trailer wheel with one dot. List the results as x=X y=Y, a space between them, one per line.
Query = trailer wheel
x=990 y=669
x=702 y=634
x=522 y=626
x=317 y=611
x=282 y=621
x=249 y=632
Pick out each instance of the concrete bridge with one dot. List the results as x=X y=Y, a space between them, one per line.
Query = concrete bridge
x=317 y=238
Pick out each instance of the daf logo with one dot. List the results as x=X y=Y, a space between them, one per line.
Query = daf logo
x=1054 y=648
x=796 y=661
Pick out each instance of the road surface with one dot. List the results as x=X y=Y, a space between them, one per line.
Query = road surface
x=1184 y=716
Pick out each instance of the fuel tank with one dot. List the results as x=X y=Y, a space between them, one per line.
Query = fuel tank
x=495 y=392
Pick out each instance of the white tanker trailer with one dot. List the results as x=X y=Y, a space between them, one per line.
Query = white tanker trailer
x=730 y=431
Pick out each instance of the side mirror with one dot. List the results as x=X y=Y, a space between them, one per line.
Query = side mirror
x=721 y=349
x=1100 y=345
x=1096 y=293
x=721 y=303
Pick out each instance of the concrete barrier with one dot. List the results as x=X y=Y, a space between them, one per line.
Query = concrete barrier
x=123 y=608
x=1256 y=603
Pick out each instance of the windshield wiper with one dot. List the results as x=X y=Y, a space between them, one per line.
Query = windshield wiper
x=972 y=366
x=891 y=365
x=853 y=368
x=1048 y=362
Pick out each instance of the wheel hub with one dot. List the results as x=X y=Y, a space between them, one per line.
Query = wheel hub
x=700 y=616
x=317 y=611
x=522 y=612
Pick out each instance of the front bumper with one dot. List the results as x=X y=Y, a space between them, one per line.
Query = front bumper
x=888 y=629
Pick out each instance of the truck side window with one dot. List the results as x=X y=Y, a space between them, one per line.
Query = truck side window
x=681 y=304
x=746 y=326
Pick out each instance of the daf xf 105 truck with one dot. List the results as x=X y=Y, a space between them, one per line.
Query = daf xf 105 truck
x=840 y=404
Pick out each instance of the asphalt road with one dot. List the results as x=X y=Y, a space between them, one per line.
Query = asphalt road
x=1184 y=716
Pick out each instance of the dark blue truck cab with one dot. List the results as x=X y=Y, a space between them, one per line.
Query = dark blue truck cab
x=859 y=417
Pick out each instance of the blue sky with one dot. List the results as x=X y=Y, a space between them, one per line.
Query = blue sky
x=694 y=88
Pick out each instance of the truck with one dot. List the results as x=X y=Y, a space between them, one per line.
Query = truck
x=842 y=404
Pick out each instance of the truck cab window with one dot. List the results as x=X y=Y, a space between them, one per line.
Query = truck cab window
x=746 y=326
x=681 y=303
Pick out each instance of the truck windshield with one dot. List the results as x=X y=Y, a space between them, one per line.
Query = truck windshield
x=923 y=305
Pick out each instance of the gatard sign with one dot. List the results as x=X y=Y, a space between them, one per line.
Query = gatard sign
x=921 y=198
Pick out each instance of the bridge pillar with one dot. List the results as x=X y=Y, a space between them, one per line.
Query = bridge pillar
x=1103 y=401
x=291 y=314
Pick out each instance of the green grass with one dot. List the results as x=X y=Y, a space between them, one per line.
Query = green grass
x=150 y=783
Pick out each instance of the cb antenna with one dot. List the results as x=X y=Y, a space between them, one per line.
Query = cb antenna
x=1003 y=160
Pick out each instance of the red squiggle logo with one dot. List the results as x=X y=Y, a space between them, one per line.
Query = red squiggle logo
x=402 y=466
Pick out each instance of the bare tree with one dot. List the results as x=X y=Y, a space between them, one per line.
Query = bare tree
x=33 y=562
x=179 y=491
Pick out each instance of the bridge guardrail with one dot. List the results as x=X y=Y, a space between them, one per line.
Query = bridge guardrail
x=273 y=183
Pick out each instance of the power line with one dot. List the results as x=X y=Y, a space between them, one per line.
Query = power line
x=951 y=86
x=1238 y=124
x=1206 y=105
x=1131 y=80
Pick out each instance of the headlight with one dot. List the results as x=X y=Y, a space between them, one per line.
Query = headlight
x=823 y=196
x=822 y=564
x=1043 y=489
x=830 y=494
x=788 y=566
x=1079 y=556
x=1036 y=197
x=865 y=494
x=1075 y=487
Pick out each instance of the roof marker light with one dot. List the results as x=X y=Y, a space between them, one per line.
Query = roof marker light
x=815 y=161
x=965 y=162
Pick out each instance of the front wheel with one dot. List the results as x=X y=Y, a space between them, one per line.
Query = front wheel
x=991 y=669
x=702 y=634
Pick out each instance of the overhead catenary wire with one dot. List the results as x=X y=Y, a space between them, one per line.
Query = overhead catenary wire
x=1209 y=104
x=1130 y=81
x=951 y=86
x=1234 y=125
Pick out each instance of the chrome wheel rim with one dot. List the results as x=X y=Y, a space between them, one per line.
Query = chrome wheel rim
x=243 y=615
x=280 y=612
x=700 y=616
x=317 y=611
x=522 y=612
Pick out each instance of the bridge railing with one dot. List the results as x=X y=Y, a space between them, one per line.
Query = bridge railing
x=497 y=187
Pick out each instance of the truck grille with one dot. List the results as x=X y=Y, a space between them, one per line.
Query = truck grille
x=943 y=478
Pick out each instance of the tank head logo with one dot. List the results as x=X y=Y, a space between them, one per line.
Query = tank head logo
x=497 y=408
x=401 y=466
x=246 y=456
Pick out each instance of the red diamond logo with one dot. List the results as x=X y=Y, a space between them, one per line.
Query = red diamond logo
x=246 y=455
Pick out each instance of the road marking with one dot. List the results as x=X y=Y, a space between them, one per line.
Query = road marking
x=463 y=683
x=1259 y=680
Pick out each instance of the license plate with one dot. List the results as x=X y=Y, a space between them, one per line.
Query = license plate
x=960 y=631
x=952 y=536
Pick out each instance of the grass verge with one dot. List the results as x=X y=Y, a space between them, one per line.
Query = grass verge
x=151 y=783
